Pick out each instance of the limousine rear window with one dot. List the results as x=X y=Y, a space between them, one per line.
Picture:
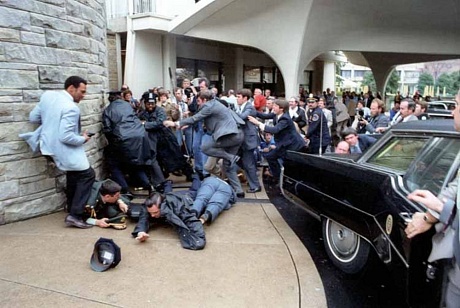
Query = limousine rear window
x=398 y=153
x=431 y=168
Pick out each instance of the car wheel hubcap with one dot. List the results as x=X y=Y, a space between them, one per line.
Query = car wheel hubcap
x=344 y=243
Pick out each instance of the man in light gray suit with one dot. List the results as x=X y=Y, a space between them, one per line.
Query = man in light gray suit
x=251 y=140
x=443 y=212
x=223 y=125
x=60 y=138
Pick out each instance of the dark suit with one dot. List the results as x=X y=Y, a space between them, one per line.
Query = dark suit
x=286 y=138
x=250 y=143
x=226 y=136
x=365 y=141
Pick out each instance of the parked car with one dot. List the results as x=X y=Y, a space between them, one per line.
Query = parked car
x=440 y=109
x=361 y=200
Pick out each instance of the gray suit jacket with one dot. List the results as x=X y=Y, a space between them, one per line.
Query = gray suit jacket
x=217 y=119
x=251 y=140
x=59 y=133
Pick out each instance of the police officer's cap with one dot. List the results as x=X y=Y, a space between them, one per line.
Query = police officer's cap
x=311 y=98
x=106 y=254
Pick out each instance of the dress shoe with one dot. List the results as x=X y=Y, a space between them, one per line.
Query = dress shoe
x=206 y=217
x=254 y=190
x=76 y=222
x=233 y=162
x=240 y=194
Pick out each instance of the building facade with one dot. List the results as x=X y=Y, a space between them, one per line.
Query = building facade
x=41 y=44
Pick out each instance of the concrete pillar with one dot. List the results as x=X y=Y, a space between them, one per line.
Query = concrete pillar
x=239 y=67
x=145 y=61
x=169 y=61
x=329 y=75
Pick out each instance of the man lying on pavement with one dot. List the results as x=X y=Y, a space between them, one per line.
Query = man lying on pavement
x=181 y=209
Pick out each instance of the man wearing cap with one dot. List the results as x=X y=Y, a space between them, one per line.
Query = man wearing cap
x=317 y=132
x=128 y=146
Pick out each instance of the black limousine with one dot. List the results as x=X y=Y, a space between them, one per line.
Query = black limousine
x=361 y=200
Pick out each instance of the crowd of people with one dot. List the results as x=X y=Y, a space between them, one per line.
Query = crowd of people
x=210 y=138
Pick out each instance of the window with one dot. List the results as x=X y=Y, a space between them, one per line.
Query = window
x=346 y=74
x=252 y=74
x=432 y=169
x=398 y=153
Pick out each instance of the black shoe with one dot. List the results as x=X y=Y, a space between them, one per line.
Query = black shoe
x=76 y=222
x=250 y=190
x=240 y=194
x=233 y=162
x=206 y=217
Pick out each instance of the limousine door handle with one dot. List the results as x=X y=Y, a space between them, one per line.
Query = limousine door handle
x=407 y=217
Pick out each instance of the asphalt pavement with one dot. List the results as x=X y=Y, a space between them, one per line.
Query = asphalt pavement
x=252 y=259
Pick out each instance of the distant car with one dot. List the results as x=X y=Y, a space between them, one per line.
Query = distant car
x=440 y=109
x=361 y=200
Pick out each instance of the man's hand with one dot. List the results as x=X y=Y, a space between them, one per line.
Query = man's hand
x=169 y=123
x=102 y=223
x=123 y=206
x=142 y=236
x=427 y=199
x=417 y=225
x=85 y=134
x=380 y=130
x=363 y=122
x=253 y=120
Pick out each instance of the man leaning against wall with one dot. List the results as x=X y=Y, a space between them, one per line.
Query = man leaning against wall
x=59 y=136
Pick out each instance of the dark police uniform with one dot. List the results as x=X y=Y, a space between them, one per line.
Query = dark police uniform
x=318 y=132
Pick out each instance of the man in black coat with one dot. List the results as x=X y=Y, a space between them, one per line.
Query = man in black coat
x=128 y=146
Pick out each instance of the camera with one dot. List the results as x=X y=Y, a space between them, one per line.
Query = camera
x=188 y=92
x=360 y=115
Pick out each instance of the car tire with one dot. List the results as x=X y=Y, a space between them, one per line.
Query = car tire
x=347 y=250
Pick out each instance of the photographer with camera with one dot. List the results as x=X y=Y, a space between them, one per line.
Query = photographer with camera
x=362 y=113
x=378 y=118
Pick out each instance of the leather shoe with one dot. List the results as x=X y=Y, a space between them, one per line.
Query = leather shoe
x=240 y=194
x=254 y=190
x=76 y=222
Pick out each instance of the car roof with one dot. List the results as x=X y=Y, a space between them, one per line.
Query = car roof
x=444 y=125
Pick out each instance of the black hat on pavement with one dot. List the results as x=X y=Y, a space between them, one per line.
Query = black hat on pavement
x=106 y=254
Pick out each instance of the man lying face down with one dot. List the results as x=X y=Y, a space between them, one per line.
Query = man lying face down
x=181 y=209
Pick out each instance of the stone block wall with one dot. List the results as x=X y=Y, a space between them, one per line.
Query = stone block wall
x=42 y=42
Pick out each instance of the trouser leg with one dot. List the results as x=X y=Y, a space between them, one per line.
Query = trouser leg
x=79 y=184
x=232 y=176
x=272 y=159
x=453 y=287
x=250 y=167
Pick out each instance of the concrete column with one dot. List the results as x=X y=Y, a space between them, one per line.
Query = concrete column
x=145 y=60
x=118 y=58
x=329 y=75
x=129 y=77
x=169 y=61
x=239 y=65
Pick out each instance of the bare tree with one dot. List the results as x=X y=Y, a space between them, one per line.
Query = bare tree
x=437 y=68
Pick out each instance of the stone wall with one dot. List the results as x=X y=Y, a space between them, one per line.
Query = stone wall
x=42 y=42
